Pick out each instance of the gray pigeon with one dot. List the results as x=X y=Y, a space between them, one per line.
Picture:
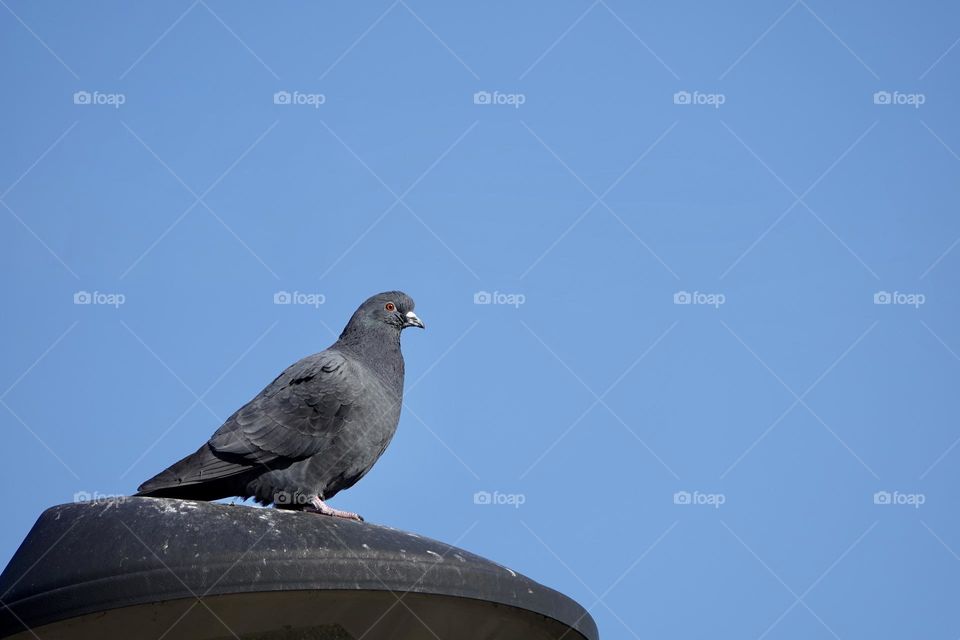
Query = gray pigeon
x=315 y=430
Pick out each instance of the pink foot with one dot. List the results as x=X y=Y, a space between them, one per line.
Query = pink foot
x=320 y=507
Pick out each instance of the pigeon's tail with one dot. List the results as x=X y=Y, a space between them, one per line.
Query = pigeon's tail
x=200 y=476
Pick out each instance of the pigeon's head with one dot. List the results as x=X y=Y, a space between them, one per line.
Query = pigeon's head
x=392 y=308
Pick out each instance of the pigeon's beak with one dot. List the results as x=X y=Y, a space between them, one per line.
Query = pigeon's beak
x=411 y=320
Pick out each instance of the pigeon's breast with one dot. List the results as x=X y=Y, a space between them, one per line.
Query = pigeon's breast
x=370 y=430
x=366 y=425
x=361 y=441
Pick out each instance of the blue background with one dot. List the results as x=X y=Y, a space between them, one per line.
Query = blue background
x=598 y=199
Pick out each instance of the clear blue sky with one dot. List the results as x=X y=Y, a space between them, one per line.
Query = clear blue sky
x=779 y=192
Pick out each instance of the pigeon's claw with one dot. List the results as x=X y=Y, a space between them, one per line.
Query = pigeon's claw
x=320 y=507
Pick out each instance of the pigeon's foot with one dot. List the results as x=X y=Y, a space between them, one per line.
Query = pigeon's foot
x=320 y=507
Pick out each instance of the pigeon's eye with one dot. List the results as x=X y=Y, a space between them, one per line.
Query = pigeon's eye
x=390 y=306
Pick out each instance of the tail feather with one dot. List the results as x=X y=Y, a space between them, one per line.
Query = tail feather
x=202 y=475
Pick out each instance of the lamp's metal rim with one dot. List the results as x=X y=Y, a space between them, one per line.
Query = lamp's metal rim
x=89 y=557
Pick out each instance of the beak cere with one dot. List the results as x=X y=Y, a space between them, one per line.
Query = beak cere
x=411 y=320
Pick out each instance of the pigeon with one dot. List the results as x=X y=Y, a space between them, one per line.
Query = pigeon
x=315 y=430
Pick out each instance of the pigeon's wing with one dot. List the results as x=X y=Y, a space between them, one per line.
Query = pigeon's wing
x=296 y=416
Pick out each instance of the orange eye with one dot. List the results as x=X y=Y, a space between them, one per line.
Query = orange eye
x=390 y=306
